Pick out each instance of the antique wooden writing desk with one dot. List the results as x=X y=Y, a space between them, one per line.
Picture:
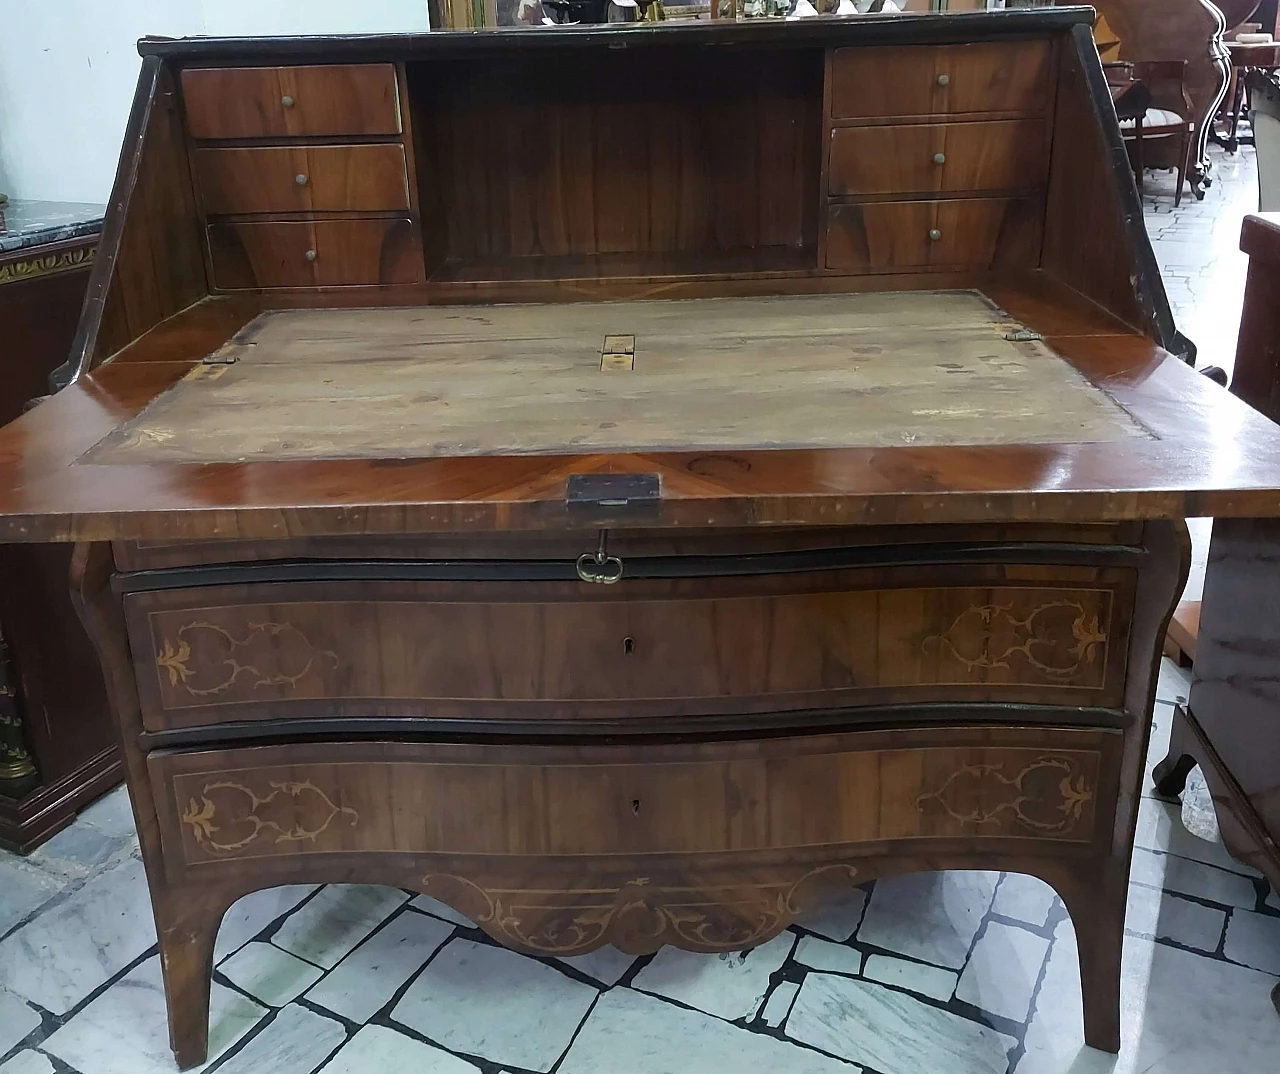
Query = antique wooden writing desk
x=835 y=538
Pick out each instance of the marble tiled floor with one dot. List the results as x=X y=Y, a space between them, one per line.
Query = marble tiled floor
x=949 y=973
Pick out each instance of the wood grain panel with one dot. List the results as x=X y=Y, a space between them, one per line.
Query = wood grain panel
x=934 y=80
x=973 y=233
x=649 y=648
x=781 y=794
x=274 y=102
x=347 y=252
x=1008 y=155
x=270 y=179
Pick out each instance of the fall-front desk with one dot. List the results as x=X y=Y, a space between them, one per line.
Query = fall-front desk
x=632 y=516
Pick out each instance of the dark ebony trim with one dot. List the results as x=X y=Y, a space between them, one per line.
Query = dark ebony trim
x=864 y=29
x=634 y=729
x=1147 y=283
x=515 y=570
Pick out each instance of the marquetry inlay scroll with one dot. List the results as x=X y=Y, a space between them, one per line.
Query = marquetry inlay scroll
x=228 y=816
x=1048 y=795
x=203 y=658
x=1058 y=638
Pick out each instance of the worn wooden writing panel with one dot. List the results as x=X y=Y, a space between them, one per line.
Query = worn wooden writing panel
x=932 y=368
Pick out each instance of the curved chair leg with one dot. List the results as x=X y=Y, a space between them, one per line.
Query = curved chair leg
x=1170 y=775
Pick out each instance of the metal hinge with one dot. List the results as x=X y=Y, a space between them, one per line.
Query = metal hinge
x=218 y=359
x=1023 y=335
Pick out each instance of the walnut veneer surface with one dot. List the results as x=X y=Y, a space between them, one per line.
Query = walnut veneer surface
x=343 y=577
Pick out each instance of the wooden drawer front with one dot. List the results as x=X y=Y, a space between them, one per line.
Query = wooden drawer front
x=288 y=801
x=938 y=157
x=274 y=179
x=271 y=102
x=964 y=233
x=538 y=651
x=319 y=253
x=941 y=80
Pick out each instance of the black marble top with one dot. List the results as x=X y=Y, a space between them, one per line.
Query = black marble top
x=36 y=223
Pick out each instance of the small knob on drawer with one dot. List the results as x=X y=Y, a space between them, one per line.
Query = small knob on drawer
x=287 y=101
x=310 y=255
x=300 y=179
x=944 y=80
x=935 y=234
x=939 y=158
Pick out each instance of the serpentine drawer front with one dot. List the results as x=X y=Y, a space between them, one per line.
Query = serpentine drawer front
x=814 y=794
x=653 y=647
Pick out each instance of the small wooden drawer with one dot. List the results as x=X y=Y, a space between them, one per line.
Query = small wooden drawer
x=817 y=792
x=940 y=80
x=278 y=179
x=276 y=102
x=964 y=233
x=561 y=651
x=938 y=158
x=316 y=253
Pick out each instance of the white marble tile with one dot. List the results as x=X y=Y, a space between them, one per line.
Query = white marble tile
x=23 y=890
x=890 y=1031
x=631 y=1033
x=27 y=1062
x=930 y=916
x=378 y=1050
x=1153 y=914
x=59 y=957
x=17 y=1021
x=836 y=920
x=1273 y=900
x=778 y=1005
x=1180 y=1013
x=1001 y=974
x=272 y=976
x=605 y=964
x=827 y=956
x=296 y=1041
x=124 y=1030
x=1192 y=878
x=913 y=976
x=1160 y=827
x=364 y=982
x=78 y=848
x=112 y=813
x=729 y=985
x=337 y=919
x=1158 y=744
x=1174 y=683
x=1024 y=898
x=253 y=913
x=429 y=905
x=496 y=1004
x=1254 y=940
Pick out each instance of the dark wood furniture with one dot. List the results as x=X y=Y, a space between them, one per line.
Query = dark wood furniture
x=1186 y=30
x=488 y=601
x=59 y=743
x=1152 y=123
x=1244 y=59
x=1231 y=724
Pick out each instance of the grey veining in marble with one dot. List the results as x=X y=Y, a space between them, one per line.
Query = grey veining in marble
x=17 y=1020
x=1153 y=914
x=26 y=223
x=439 y=909
x=124 y=1030
x=605 y=964
x=836 y=920
x=378 y=1050
x=61 y=956
x=28 y=1062
x=930 y=916
x=80 y=846
x=1254 y=940
x=23 y=890
x=1002 y=971
x=112 y=813
x=268 y=974
x=337 y=919
x=931 y=981
x=778 y=1005
x=296 y=1041
x=1024 y=898
x=1191 y=878
x=730 y=985
x=892 y=1032
x=629 y=1032
x=829 y=957
x=496 y=1004
x=364 y=982
x=253 y=913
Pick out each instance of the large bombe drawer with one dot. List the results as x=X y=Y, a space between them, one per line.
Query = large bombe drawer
x=551 y=651
x=802 y=795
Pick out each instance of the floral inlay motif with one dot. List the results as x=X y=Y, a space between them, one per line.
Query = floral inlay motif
x=1048 y=795
x=217 y=824
x=219 y=659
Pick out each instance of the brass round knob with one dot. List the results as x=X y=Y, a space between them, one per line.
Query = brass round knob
x=287 y=101
x=300 y=179
x=935 y=234
x=939 y=158
x=944 y=80
x=310 y=255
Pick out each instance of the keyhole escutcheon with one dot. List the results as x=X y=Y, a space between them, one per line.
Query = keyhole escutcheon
x=628 y=645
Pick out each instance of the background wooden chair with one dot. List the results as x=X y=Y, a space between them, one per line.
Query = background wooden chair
x=1264 y=118
x=1167 y=117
